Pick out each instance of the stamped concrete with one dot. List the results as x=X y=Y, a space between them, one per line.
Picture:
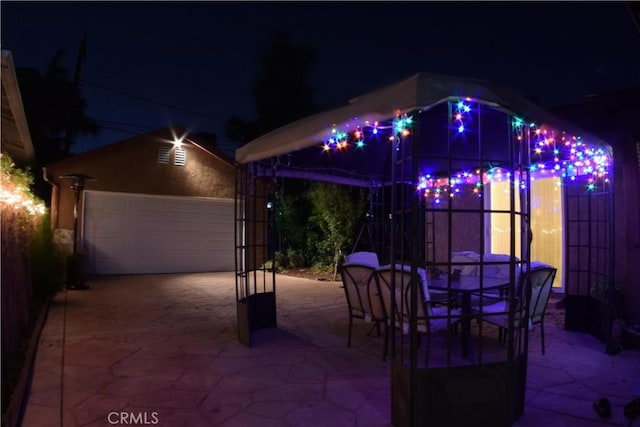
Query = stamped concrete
x=162 y=350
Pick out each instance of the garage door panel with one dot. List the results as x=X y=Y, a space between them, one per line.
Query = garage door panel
x=135 y=233
x=148 y=204
x=110 y=203
x=110 y=265
x=141 y=222
x=106 y=223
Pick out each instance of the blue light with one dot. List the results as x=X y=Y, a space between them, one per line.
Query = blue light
x=461 y=129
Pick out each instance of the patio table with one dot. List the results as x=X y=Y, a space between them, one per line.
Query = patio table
x=465 y=287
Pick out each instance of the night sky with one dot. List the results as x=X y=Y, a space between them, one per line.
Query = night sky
x=153 y=64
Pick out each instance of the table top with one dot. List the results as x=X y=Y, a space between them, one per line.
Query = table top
x=468 y=283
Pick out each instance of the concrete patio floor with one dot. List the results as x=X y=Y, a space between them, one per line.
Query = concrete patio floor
x=162 y=350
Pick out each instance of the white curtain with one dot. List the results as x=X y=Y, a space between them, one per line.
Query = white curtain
x=546 y=222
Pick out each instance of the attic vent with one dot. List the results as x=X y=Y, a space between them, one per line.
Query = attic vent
x=180 y=156
x=163 y=154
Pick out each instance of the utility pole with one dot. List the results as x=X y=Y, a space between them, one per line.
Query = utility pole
x=82 y=55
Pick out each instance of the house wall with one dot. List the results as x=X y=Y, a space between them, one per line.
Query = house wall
x=466 y=228
x=132 y=166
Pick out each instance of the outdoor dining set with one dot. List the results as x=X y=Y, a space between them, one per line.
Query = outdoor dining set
x=477 y=287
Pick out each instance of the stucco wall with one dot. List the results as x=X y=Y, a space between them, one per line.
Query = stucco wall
x=466 y=227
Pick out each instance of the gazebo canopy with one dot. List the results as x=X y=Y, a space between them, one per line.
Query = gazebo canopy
x=421 y=92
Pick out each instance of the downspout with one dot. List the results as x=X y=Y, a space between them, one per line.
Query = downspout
x=55 y=196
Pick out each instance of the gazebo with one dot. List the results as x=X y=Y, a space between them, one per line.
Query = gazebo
x=452 y=166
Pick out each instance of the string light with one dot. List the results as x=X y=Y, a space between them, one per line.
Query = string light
x=402 y=124
x=21 y=200
x=553 y=153
x=461 y=115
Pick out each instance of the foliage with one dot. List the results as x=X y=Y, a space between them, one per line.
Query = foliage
x=281 y=261
x=319 y=268
x=16 y=177
x=27 y=273
x=295 y=259
x=293 y=210
x=47 y=261
x=281 y=93
x=15 y=188
x=312 y=230
x=56 y=114
x=336 y=212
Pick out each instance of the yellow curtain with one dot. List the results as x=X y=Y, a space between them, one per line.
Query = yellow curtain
x=546 y=222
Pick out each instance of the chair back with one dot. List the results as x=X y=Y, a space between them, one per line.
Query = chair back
x=497 y=265
x=361 y=291
x=403 y=281
x=363 y=258
x=541 y=282
x=466 y=262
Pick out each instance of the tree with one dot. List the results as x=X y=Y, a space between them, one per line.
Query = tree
x=55 y=112
x=282 y=93
x=336 y=211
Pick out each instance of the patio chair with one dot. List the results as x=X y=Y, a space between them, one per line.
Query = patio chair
x=540 y=278
x=363 y=258
x=499 y=269
x=363 y=299
x=466 y=262
x=429 y=319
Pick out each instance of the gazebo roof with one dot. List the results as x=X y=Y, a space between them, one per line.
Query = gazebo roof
x=297 y=148
x=421 y=91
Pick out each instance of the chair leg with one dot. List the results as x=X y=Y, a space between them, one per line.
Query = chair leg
x=374 y=326
x=349 y=336
x=427 y=349
x=542 y=334
x=385 y=347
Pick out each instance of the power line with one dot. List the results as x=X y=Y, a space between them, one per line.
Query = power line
x=130 y=132
x=116 y=123
x=151 y=101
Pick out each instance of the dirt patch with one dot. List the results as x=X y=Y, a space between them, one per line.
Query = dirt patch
x=307 y=273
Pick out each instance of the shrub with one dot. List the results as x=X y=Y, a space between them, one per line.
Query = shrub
x=281 y=261
x=47 y=261
x=295 y=258
x=23 y=228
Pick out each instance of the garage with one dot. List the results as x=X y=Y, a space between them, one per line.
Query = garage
x=125 y=233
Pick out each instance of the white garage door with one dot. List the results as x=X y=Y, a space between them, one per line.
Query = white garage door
x=138 y=234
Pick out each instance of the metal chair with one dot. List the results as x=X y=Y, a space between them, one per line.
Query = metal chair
x=429 y=319
x=540 y=280
x=363 y=299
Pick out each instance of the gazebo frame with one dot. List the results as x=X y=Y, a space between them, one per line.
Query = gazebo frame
x=422 y=119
